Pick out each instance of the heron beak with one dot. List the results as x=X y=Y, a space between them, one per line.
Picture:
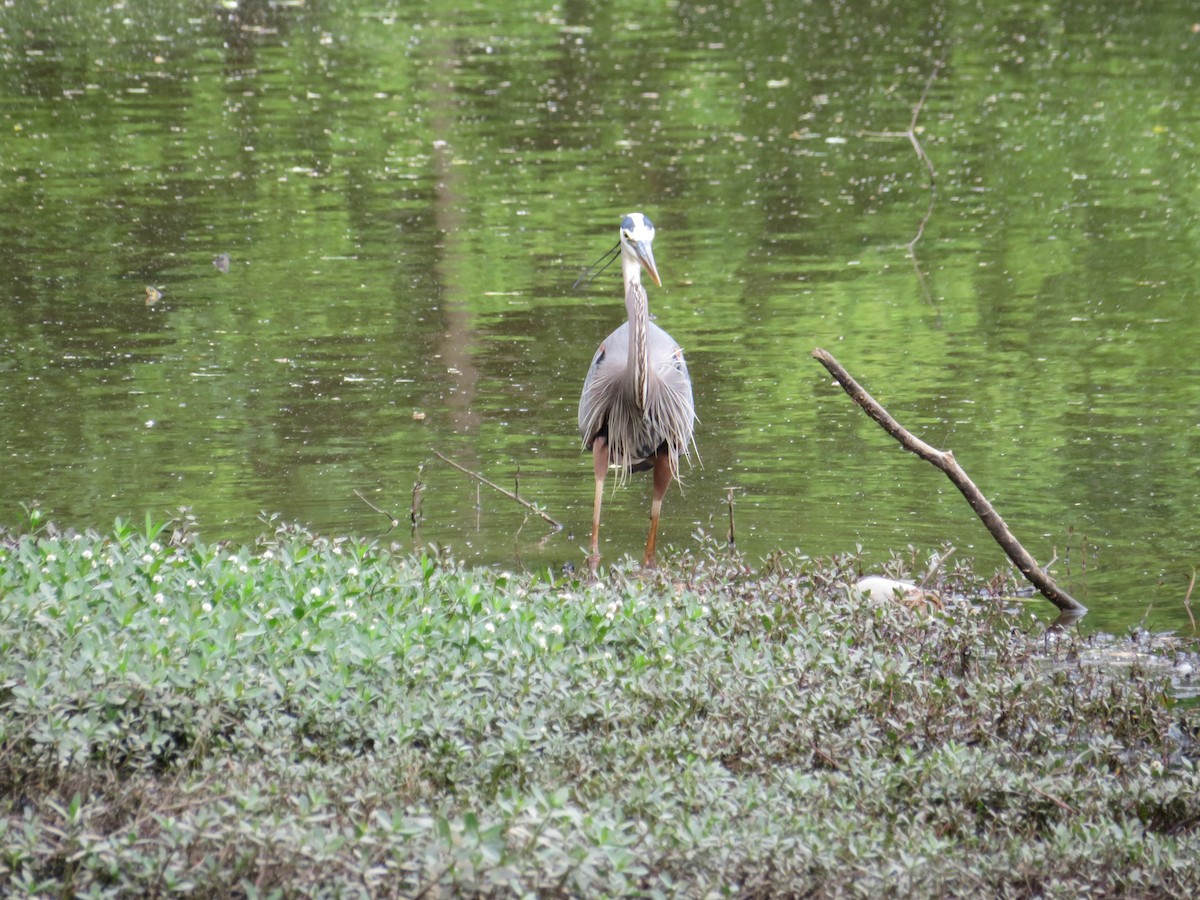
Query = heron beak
x=646 y=257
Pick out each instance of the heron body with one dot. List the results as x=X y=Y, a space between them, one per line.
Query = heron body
x=636 y=411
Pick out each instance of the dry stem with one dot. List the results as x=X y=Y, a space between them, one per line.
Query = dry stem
x=525 y=503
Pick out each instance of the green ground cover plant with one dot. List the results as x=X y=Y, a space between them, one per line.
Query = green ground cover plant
x=324 y=717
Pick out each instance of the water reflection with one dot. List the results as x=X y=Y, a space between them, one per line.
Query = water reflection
x=404 y=198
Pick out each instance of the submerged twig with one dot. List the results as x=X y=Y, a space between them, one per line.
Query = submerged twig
x=913 y=139
x=509 y=494
x=945 y=461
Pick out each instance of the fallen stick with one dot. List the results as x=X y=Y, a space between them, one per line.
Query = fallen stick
x=945 y=461
x=509 y=494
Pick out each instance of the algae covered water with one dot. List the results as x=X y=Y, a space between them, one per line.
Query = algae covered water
x=258 y=257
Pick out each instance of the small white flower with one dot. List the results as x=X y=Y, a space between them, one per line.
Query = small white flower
x=425 y=611
x=268 y=553
x=206 y=606
x=192 y=583
x=316 y=591
x=50 y=557
x=147 y=558
x=155 y=547
x=352 y=571
x=159 y=598
x=659 y=618
x=489 y=627
x=542 y=643
x=243 y=568
x=349 y=603
x=668 y=657
x=164 y=621
x=557 y=628
x=304 y=634
x=87 y=554
x=157 y=579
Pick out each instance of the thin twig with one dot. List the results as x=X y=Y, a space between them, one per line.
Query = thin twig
x=509 y=494
x=729 y=502
x=945 y=461
x=1187 y=601
x=383 y=512
x=935 y=564
x=1061 y=804
x=418 y=494
x=1083 y=563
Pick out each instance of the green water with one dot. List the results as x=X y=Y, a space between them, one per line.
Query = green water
x=406 y=192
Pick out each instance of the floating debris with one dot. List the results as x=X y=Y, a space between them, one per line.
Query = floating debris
x=877 y=589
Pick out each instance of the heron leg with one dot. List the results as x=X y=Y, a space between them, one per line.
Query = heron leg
x=662 y=480
x=600 y=461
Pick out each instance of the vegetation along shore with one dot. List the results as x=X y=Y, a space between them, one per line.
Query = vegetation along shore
x=308 y=716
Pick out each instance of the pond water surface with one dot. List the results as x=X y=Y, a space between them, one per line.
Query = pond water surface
x=403 y=194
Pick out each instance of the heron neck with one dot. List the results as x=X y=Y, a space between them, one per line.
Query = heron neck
x=639 y=326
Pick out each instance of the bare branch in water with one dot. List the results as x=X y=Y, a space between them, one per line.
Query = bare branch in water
x=945 y=461
x=383 y=512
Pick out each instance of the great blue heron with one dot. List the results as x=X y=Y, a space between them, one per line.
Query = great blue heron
x=636 y=411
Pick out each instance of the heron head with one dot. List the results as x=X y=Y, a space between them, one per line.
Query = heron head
x=637 y=234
